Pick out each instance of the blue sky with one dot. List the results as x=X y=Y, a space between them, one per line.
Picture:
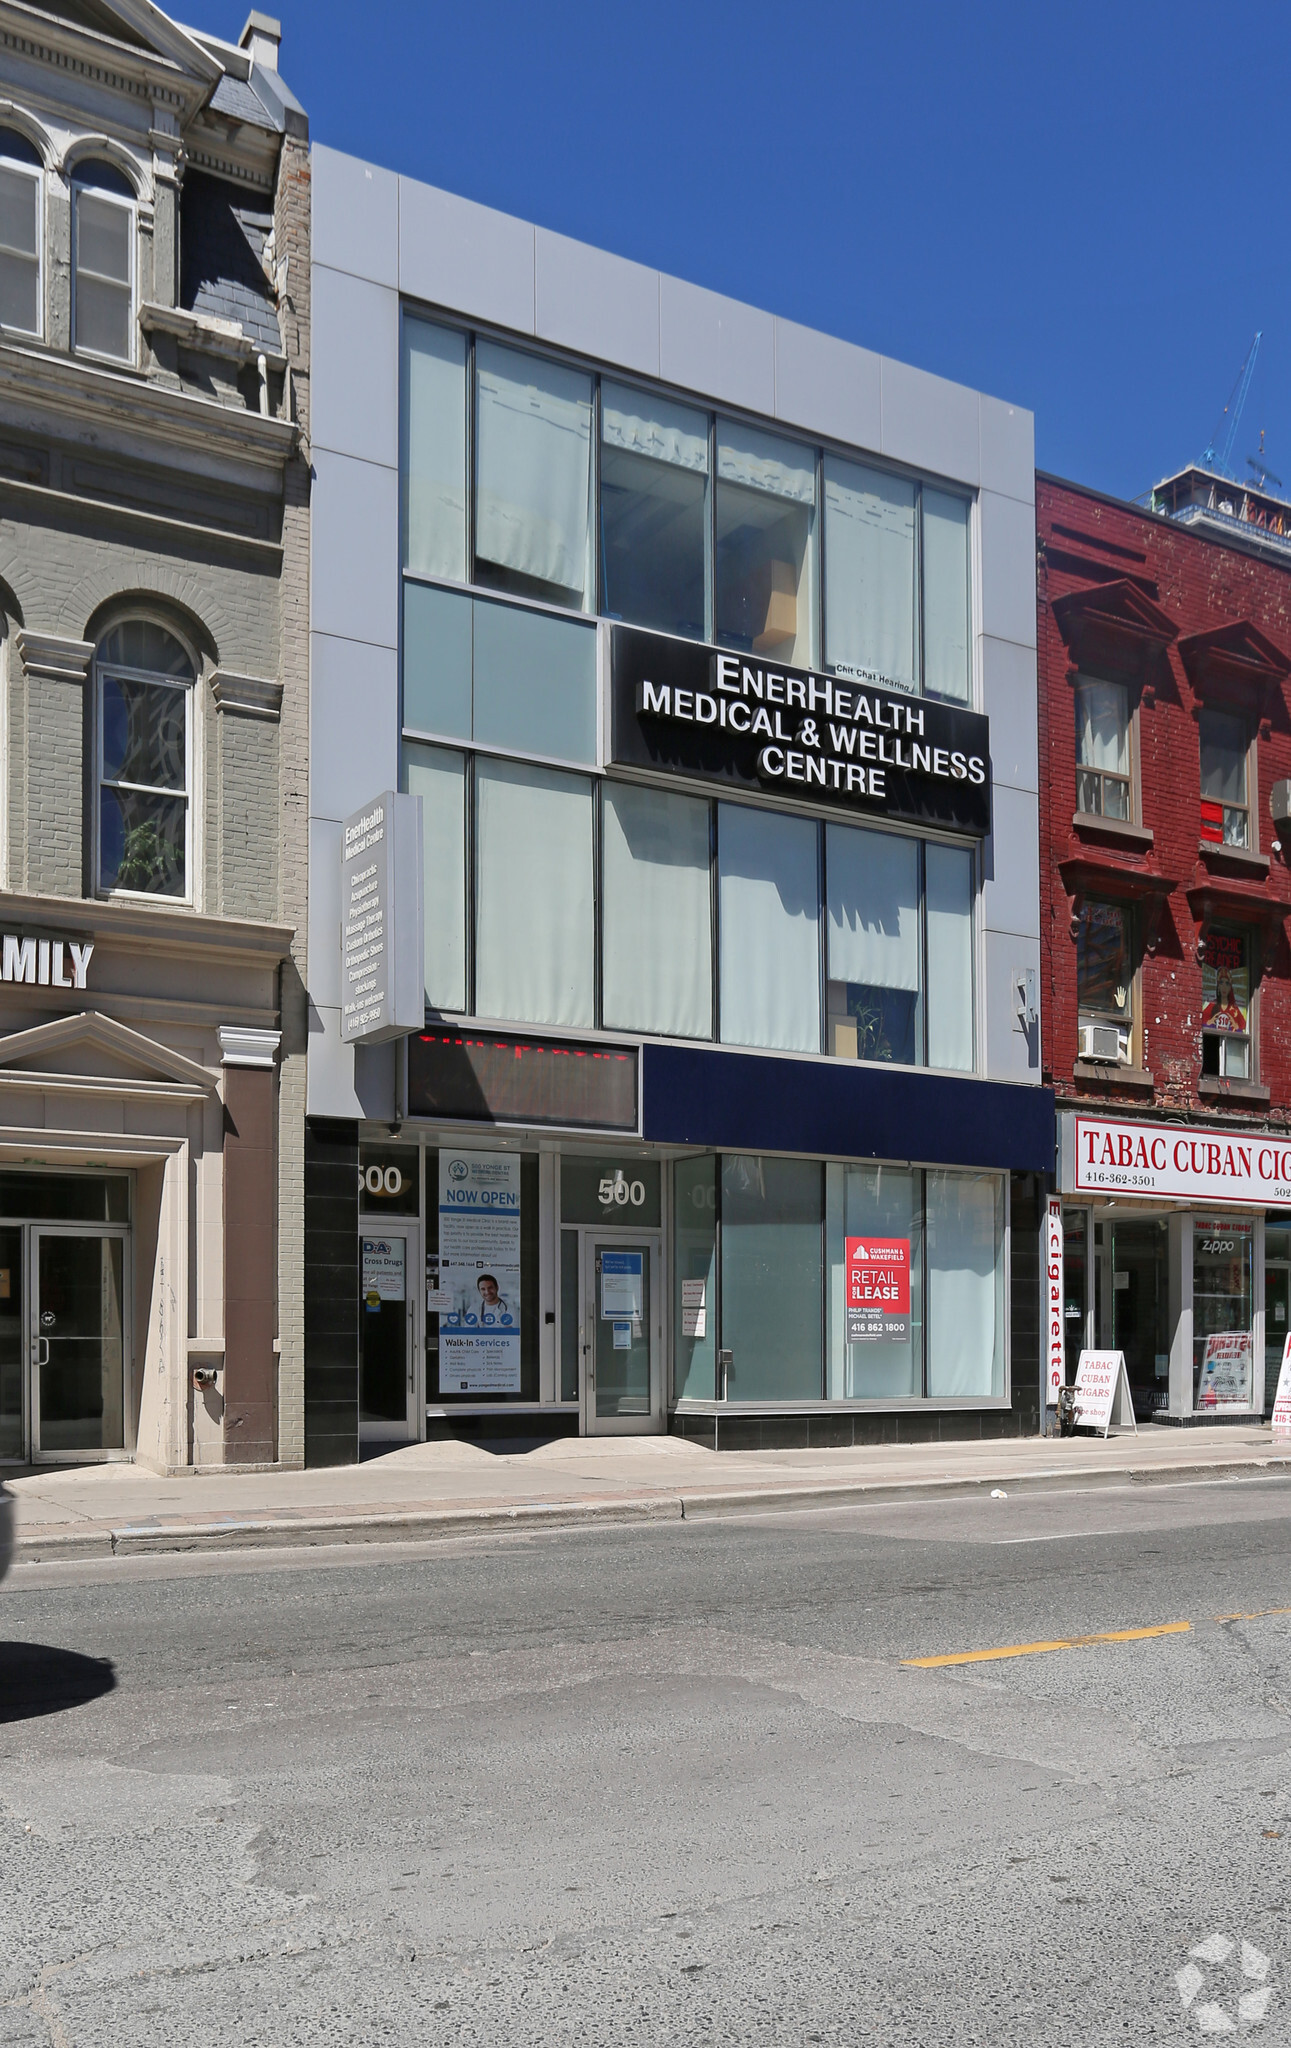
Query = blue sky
x=1081 y=208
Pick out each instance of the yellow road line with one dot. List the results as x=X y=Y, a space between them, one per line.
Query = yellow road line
x=1120 y=1635
x=1256 y=1614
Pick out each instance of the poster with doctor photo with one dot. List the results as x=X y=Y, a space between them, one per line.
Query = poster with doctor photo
x=479 y=1273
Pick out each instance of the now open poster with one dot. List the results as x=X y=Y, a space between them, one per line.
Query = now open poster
x=878 y=1290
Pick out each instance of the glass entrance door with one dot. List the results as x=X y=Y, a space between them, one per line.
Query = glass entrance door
x=1141 y=1308
x=621 y=1334
x=388 y=1295
x=77 y=1341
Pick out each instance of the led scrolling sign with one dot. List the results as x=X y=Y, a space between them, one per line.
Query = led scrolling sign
x=700 y=711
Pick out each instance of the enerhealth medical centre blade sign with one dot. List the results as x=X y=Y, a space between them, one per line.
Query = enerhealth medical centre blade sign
x=1103 y=1155
x=741 y=719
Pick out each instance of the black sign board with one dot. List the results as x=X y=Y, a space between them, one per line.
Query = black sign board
x=827 y=739
x=496 y=1077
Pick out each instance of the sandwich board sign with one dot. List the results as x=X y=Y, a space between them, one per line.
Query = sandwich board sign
x=1103 y=1392
x=1282 y=1399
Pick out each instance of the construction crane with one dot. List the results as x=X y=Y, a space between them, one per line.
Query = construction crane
x=1218 y=461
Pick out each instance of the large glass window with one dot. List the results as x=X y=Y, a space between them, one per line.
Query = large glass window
x=1225 y=805
x=946 y=667
x=20 y=233
x=438 y=777
x=1223 y=1318
x=948 y=899
x=534 y=939
x=498 y=673
x=874 y=945
x=1102 y=749
x=654 y=512
x=965 y=1265
x=766 y=514
x=533 y=443
x=772 y=1278
x=656 y=930
x=769 y=929
x=433 y=452
x=103 y=233
x=873 y=1203
x=143 y=682
x=869 y=572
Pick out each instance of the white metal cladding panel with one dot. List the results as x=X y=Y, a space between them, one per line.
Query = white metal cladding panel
x=468 y=257
x=1011 y=1053
x=597 y=304
x=354 y=549
x=827 y=386
x=354 y=719
x=1012 y=894
x=355 y=216
x=1009 y=701
x=354 y=323
x=1008 y=449
x=930 y=422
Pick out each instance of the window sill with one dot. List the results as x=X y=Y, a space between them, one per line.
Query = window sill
x=1115 y=831
x=1237 y=858
x=1105 y=1075
x=1217 y=1088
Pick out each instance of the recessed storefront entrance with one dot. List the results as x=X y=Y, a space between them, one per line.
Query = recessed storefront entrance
x=64 y=1317
x=389 y=1348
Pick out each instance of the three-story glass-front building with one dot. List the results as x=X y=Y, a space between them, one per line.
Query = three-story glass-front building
x=707 y=643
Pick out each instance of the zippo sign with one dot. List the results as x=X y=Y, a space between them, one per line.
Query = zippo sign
x=1057 y=1362
x=878 y=1290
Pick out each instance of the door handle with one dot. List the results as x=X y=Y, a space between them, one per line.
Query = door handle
x=42 y=1359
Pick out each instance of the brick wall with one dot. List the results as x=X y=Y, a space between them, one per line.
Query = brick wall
x=1088 y=543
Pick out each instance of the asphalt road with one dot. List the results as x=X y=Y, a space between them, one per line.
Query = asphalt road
x=662 y=1784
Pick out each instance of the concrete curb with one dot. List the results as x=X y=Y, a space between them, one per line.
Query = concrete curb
x=427 y=1525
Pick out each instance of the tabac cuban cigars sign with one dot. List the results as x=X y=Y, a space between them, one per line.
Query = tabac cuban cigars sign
x=826 y=739
x=1103 y=1155
x=45 y=962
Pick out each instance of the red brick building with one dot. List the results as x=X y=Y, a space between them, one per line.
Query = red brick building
x=1165 y=748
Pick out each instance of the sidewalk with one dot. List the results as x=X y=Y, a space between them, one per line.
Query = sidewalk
x=452 y=1489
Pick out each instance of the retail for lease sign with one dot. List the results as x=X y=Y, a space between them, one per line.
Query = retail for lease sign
x=1106 y=1155
x=878 y=1290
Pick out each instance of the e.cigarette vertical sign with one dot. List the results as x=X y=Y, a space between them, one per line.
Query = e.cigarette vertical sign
x=878 y=1290
x=1055 y=1353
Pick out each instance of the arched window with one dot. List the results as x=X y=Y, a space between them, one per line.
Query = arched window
x=103 y=246
x=143 y=684
x=21 y=188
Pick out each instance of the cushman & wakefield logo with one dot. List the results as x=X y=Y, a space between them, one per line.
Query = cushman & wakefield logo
x=46 y=963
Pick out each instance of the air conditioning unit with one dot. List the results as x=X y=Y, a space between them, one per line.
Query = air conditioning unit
x=1105 y=1044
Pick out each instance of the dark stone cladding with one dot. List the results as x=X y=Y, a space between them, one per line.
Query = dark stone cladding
x=840 y=1429
x=331 y=1292
x=838 y=1109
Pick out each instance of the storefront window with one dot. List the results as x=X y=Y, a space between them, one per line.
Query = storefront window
x=390 y=1180
x=1222 y=1311
x=1226 y=1006
x=533 y=440
x=766 y=513
x=654 y=512
x=965 y=1239
x=482 y=1244
x=695 y=1278
x=772 y=1278
x=610 y=1190
x=1075 y=1286
x=656 y=925
x=433 y=450
x=1277 y=1302
x=880 y=1206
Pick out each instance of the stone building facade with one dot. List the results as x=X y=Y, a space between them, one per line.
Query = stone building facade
x=154 y=494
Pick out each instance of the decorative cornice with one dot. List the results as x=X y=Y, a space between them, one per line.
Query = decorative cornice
x=249 y=696
x=91 y=1027
x=175 y=420
x=52 y=658
x=150 y=928
x=242 y=1047
x=213 y=337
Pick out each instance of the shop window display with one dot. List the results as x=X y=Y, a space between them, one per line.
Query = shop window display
x=1222 y=1311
